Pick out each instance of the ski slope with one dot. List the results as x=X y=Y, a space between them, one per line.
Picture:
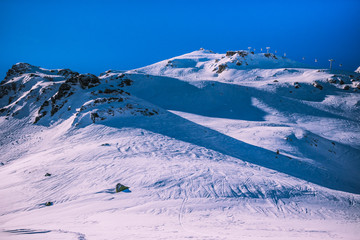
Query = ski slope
x=212 y=146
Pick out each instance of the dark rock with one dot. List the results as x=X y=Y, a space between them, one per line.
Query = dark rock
x=268 y=55
x=41 y=112
x=16 y=70
x=88 y=80
x=67 y=73
x=341 y=82
x=63 y=90
x=230 y=53
x=108 y=91
x=54 y=109
x=221 y=68
x=48 y=78
x=242 y=53
x=93 y=116
x=331 y=80
x=346 y=87
x=10 y=99
x=317 y=85
x=47 y=175
x=120 y=187
x=6 y=88
x=72 y=80
x=125 y=82
x=49 y=203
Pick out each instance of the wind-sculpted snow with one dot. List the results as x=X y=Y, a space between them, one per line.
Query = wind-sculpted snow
x=212 y=146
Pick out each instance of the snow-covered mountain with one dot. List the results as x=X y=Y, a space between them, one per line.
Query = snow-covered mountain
x=357 y=70
x=212 y=146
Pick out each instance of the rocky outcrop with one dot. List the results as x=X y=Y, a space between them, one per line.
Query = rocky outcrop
x=240 y=53
x=270 y=55
x=85 y=80
x=16 y=70
x=221 y=68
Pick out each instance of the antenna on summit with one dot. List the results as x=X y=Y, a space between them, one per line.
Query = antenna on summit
x=249 y=49
x=331 y=60
x=267 y=49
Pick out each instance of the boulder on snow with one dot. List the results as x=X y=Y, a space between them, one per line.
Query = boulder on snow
x=296 y=85
x=317 y=85
x=49 y=204
x=120 y=187
x=331 y=80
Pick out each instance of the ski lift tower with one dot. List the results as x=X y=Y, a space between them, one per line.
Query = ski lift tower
x=249 y=49
x=331 y=60
x=267 y=49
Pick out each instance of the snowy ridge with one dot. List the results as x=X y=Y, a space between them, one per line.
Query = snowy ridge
x=217 y=146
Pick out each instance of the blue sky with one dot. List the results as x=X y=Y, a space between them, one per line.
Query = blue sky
x=94 y=36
